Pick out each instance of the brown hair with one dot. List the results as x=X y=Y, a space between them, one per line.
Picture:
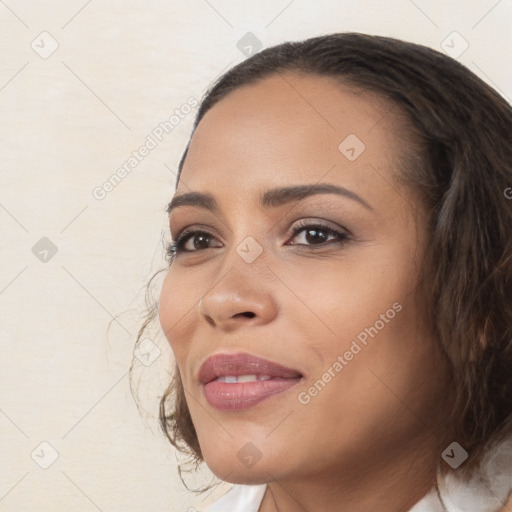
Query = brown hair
x=461 y=169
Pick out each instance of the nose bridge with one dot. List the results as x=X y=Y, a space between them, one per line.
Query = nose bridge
x=246 y=249
x=248 y=256
x=242 y=289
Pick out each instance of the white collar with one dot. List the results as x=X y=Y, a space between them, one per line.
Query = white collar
x=490 y=487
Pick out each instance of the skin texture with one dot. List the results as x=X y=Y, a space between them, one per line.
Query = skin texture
x=368 y=440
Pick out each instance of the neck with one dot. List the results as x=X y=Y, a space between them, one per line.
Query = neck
x=392 y=486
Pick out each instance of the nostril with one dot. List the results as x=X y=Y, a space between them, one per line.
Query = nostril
x=249 y=314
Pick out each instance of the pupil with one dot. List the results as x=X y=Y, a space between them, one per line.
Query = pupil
x=199 y=239
x=317 y=236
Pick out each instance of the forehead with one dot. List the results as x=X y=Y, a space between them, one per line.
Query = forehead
x=292 y=128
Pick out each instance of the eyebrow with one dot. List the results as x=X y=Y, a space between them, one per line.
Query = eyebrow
x=271 y=198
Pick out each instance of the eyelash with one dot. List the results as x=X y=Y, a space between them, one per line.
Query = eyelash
x=176 y=247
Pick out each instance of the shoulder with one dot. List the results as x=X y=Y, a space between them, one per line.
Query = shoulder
x=240 y=498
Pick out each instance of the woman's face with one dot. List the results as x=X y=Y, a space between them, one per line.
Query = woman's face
x=341 y=310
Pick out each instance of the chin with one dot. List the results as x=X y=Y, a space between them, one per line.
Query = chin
x=248 y=476
x=245 y=467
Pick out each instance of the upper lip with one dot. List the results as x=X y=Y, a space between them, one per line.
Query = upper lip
x=242 y=364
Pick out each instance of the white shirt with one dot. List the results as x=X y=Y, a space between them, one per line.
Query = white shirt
x=248 y=498
x=487 y=491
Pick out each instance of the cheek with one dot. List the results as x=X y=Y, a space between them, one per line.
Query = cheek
x=178 y=297
x=389 y=362
x=384 y=393
x=369 y=312
x=347 y=295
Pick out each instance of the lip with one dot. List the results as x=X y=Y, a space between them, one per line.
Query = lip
x=242 y=395
x=242 y=364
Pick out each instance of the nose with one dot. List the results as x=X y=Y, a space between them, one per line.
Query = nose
x=238 y=299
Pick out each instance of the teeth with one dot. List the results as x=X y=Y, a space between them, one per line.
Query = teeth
x=247 y=378
x=232 y=379
x=228 y=378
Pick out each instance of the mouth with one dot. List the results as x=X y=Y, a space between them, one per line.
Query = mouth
x=239 y=381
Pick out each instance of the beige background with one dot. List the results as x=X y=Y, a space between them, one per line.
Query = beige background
x=69 y=120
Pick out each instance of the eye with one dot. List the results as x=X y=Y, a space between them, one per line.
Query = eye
x=318 y=234
x=315 y=234
x=200 y=240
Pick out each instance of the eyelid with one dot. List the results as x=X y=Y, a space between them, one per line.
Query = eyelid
x=318 y=221
x=192 y=228
x=303 y=222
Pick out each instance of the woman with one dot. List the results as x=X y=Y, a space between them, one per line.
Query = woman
x=338 y=297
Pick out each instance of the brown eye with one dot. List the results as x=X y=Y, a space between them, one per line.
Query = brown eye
x=199 y=240
x=319 y=235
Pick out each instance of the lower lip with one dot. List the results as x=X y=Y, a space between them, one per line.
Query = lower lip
x=236 y=396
